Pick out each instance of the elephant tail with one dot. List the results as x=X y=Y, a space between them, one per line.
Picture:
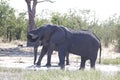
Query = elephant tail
x=100 y=54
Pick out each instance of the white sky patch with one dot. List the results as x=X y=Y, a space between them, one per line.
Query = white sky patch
x=103 y=8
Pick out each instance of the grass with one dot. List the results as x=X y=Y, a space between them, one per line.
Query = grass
x=10 y=74
x=111 y=61
x=18 y=74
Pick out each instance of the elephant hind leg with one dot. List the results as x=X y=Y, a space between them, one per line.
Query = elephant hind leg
x=62 y=53
x=82 y=65
x=67 y=59
x=92 y=63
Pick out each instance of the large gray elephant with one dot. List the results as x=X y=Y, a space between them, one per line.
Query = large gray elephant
x=83 y=43
x=38 y=42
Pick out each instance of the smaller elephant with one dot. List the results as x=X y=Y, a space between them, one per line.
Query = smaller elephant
x=44 y=50
x=83 y=43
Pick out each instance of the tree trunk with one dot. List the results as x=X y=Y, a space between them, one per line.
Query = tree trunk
x=31 y=16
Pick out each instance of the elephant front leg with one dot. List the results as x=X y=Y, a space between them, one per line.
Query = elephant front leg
x=35 y=50
x=50 y=51
x=43 y=52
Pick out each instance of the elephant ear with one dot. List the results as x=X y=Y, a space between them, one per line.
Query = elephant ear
x=55 y=34
x=49 y=31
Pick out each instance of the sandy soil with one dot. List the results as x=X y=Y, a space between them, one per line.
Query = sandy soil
x=22 y=57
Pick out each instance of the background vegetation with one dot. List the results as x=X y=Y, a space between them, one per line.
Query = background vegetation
x=14 y=27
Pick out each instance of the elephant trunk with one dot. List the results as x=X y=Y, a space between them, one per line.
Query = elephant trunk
x=35 y=54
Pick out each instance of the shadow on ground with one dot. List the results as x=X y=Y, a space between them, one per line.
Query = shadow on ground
x=16 y=51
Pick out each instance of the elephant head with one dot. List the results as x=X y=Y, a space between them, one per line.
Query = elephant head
x=44 y=32
x=33 y=35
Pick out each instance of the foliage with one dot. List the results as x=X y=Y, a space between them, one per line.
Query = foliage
x=108 y=33
x=14 y=27
x=118 y=37
x=111 y=61
x=10 y=25
x=40 y=22
x=73 y=19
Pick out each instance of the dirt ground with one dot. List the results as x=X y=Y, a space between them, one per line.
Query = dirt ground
x=14 y=56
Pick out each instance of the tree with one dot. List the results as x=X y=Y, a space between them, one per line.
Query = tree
x=31 y=5
x=7 y=20
x=21 y=27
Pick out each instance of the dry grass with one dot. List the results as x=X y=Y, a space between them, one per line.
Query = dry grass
x=18 y=74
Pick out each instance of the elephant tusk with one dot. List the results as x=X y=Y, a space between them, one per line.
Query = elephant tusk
x=33 y=36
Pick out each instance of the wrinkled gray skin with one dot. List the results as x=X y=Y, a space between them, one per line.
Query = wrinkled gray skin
x=83 y=43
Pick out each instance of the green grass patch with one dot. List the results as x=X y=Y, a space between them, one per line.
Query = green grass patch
x=18 y=74
x=111 y=61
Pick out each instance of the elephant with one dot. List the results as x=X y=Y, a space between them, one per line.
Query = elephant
x=37 y=42
x=83 y=43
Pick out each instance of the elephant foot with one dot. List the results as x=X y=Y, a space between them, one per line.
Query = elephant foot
x=48 y=65
x=67 y=63
x=93 y=68
x=81 y=68
x=62 y=66
x=58 y=64
x=38 y=64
